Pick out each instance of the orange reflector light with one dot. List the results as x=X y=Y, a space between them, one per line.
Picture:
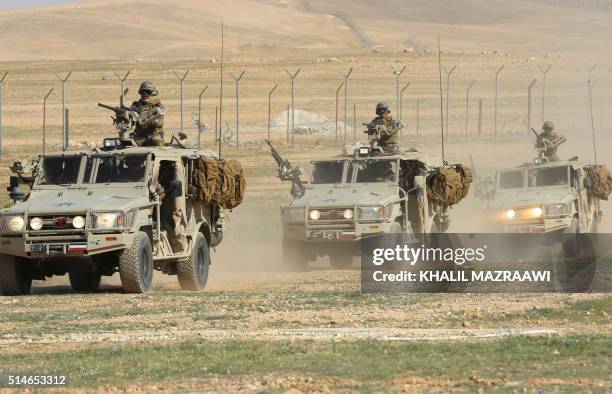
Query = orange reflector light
x=111 y=238
x=7 y=242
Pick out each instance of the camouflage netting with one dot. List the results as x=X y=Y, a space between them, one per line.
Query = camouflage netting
x=601 y=181
x=216 y=181
x=449 y=185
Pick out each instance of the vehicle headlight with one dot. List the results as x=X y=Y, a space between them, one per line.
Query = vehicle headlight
x=510 y=214
x=536 y=212
x=557 y=210
x=371 y=213
x=78 y=222
x=36 y=223
x=348 y=214
x=293 y=215
x=15 y=223
x=108 y=220
x=315 y=214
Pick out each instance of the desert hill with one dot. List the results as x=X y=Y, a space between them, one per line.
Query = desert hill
x=108 y=29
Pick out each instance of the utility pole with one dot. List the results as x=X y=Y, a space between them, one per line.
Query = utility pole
x=181 y=80
x=292 y=77
x=122 y=83
x=1 y=92
x=346 y=99
x=529 y=105
x=467 y=107
x=237 y=79
x=44 y=141
x=270 y=108
x=448 y=88
x=497 y=72
x=337 y=93
x=544 y=71
x=200 y=116
x=398 y=74
x=64 y=128
x=590 y=86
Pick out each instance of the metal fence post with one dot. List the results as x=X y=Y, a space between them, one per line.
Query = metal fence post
x=497 y=72
x=237 y=80
x=292 y=77
x=346 y=99
x=529 y=105
x=354 y=122
x=467 y=107
x=288 y=138
x=1 y=92
x=64 y=128
x=200 y=116
x=544 y=72
x=448 y=73
x=44 y=141
x=217 y=128
x=479 y=117
x=337 y=93
x=418 y=116
x=270 y=107
x=398 y=74
x=67 y=117
x=401 y=111
x=122 y=82
x=181 y=80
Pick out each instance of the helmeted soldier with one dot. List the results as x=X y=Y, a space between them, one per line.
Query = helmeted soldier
x=549 y=141
x=383 y=129
x=149 y=128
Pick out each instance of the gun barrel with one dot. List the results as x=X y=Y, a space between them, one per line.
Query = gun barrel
x=108 y=107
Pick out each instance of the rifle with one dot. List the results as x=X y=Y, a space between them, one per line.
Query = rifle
x=286 y=172
x=124 y=119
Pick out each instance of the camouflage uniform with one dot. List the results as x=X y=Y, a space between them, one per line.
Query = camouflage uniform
x=386 y=130
x=152 y=133
x=548 y=138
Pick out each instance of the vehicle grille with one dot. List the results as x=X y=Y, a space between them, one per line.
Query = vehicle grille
x=331 y=215
x=57 y=222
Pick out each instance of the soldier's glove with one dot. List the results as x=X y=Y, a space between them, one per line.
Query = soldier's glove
x=182 y=136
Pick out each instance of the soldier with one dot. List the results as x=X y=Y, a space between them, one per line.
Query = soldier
x=149 y=129
x=550 y=141
x=384 y=129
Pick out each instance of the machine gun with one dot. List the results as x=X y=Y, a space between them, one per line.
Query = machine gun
x=124 y=119
x=375 y=131
x=286 y=172
x=546 y=147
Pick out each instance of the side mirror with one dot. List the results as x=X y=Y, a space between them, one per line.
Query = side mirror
x=15 y=192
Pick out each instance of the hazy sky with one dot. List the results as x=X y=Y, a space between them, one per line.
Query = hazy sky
x=10 y=4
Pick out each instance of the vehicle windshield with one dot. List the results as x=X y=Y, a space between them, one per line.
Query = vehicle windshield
x=374 y=170
x=511 y=180
x=121 y=169
x=326 y=172
x=60 y=170
x=551 y=176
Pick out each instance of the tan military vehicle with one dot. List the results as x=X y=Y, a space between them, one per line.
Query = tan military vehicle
x=362 y=193
x=117 y=208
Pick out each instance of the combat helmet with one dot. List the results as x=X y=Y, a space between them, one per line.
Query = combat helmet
x=382 y=108
x=548 y=126
x=147 y=88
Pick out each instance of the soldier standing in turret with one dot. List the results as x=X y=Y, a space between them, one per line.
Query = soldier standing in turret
x=549 y=140
x=149 y=130
x=384 y=129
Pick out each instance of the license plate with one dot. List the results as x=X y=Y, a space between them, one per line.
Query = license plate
x=330 y=235
x=38 y=248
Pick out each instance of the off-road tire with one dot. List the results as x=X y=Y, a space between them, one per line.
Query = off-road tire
x=293 y=255
x=85 y=282
x=192 y=273
x=15 y=276
x=136 y=265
